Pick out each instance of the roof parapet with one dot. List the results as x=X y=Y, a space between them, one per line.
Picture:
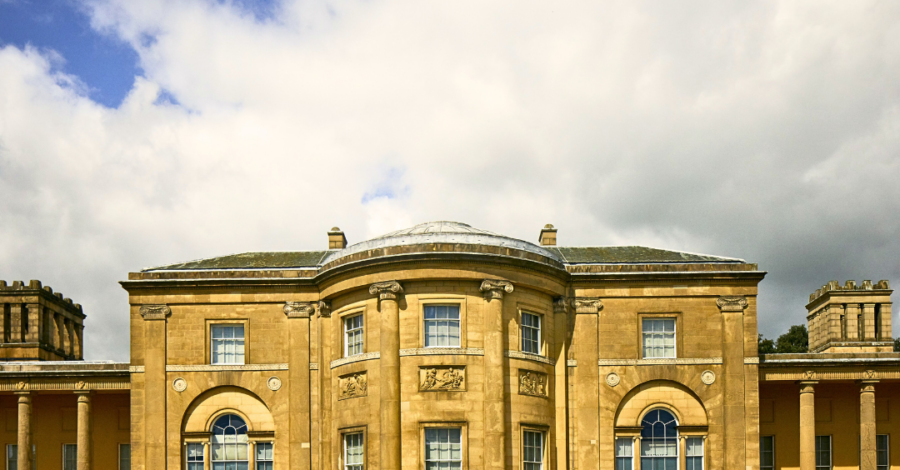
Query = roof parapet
x=849 y=286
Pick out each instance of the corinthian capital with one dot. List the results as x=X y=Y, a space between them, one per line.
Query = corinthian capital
x=299 y=309
x=732 y=303
x=155 y=311
x=494 y=289
x=386 y=290
x=587 y=305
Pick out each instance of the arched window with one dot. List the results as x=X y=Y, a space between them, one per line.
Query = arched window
x=229 y=444
x=659 y=441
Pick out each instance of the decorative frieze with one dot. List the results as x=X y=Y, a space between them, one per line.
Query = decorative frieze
x=155 y=311
x=529 y=357
x=732 y=303
x=64 y=384
x=299 y=309
x=751 y=360
x=532 y=383
x=829 y=374
x=224 y=367
x=356 y=358
x=442 y=378
x=656 y=362
x=494 y=288
x=442 y=352
x=587 y=305
x=353 y=385
x=389 y=290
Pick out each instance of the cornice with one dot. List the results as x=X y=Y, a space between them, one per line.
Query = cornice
x=528 y=357
x=658 y=362
x=441 y=352
x=223 y=367
x=357 y=358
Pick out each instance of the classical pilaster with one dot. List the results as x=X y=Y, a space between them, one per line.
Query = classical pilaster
x=885 y=319
x=389 y=367
x=867 y=454
x=868 y=319
x=851 y=316
x=732 y=308
x=325 y=331
x=561 y=382
x=298 y=314
x=23 y=440
x=15 y=324
x=33 y=334
x=155 y=384
x=807 y=425
x=83 y=439
x=587 y=382
x=494 y=401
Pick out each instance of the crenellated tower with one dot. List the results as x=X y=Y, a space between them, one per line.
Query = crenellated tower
x=850 y=318
x=39 y=324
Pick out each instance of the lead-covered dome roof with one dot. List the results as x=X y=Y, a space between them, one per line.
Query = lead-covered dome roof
x=441 y=236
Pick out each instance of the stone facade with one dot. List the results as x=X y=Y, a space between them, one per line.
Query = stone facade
x=502 y=345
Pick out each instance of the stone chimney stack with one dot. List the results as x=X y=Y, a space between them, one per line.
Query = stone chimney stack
x=850 y=318
x=38 y=324
x=336 y=239
x=548 y=235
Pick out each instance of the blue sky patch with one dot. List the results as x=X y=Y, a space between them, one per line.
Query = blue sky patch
x=105 y=64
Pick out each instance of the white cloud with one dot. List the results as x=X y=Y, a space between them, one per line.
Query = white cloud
x=765 y=130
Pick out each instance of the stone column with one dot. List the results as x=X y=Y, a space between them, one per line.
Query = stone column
x=155 y=389
x=851 y=313
x=251 y=455
x=207 y=465
x=808 y=425
x=298 y=314
x=389 y=373
x=24 y=435
x=561 y=383
x=83 y=441
x=587 y=383
x=733 y=367
x=494 y=373
x=868 y=319
x=682 y=452
x=867 y=454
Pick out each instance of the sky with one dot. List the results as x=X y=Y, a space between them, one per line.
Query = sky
x=142 y=133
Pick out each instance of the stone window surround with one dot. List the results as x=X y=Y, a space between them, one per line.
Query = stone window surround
x=464 y=439
x=343 y=318
x=365 y=439
x=679 y=328
x=226 y=321
x=545 y=436
x=442 y=299
x=543 y=344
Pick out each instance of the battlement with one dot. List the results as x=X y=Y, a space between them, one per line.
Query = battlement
x=849 y=286
x=39 y=324
x=850 y=318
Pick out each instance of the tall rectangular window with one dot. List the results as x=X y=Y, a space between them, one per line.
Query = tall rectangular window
x=124 y=456
x=659 y=337
x=442 y=326
x=767 y=452
x=12 y=457
x=227 y=344
x=70 y=456
x=624 y=453
x=882 y=454
x=353 y=335
x=264 y=456
x=531 y=333
x=443 y=449
x=823 y=452
x=693 y=453
x=533 y=450
x=354 y=451
x=195 y=457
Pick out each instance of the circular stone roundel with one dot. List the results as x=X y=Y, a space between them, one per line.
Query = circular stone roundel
x=612 y=379
x=179 y=384
x=274 y=383
x=708 y=377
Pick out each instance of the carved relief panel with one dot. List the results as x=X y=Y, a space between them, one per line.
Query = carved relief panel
x=532 y=383
x=353 y=385
x=442 y=379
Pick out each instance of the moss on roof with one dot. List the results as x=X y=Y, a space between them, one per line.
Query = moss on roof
x=632 y=254
x=252 y=260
